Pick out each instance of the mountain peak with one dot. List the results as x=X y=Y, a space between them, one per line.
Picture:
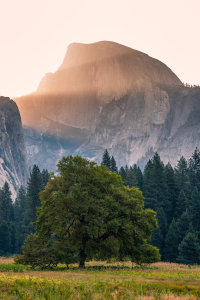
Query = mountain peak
x=120 y=57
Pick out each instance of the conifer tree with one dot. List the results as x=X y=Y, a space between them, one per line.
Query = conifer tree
x=183 y=224
x=12 y=230
x=113 y=167
x=106 y=161
x=155 y=186
x=171 y=186
x=20 y=205
x=181 y=205
x=34 y=187
x=172 y=241
x=181 y=175
x=20 y=222
x=6 y=204
x=191 y=229
x=194 y=208
x=194 y=170
x=122 y=172
x=7 y=230
x=139 y=176
x=5 y=235
x=150 y=201
x=158 y=235
x=126 y=169
x=189 y=250
x=45 y=177
x=131 y=178
x=157 y=240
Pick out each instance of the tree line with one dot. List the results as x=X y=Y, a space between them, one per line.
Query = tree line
x=16 y=218
x=174 y=193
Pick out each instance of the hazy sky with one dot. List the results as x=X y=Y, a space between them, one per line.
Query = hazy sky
x=34 y=35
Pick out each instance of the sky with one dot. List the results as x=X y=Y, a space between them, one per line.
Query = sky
x=34 y=35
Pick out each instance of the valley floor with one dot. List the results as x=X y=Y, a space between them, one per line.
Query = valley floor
x=100 y=280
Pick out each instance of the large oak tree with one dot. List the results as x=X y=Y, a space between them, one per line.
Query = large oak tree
x=86 y=213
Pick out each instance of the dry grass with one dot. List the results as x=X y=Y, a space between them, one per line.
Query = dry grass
x=160 y=281
x=6 y=260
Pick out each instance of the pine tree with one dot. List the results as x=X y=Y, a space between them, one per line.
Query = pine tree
x=191 y=229
x=158 y=235
x=34 y=187
x=171 y=186
x=123 y=174
x=181 y=205
x=113 y=167
x=126 y=169
x=131 y=178
x=12 y=230
x=5 y=242
x=45 y=177
x=181 y=175
x=139 y=176
x=183 y=224
x=157 y=240
x=6 y=216
x=194 y=170
x=155 y=186
x=189 y=250
x=194 y=208
x=20 y=222
x=6 y=204
x=150 y=201
x=172 y=241
x=106 y=161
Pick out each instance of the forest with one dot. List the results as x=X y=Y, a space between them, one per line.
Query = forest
x=173 y=193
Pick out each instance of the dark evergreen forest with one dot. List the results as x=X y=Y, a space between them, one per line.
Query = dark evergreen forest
x=174 y=193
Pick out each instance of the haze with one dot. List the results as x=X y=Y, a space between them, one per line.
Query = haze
x=34 y=35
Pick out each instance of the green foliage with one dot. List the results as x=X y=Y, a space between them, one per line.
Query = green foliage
x=5 y=203
x=194 y=208
x=7 y=230
x=181 y=175
x=194 y=170
x=87 y=209
x=183 y=224
x=172 y=241
x=19 y=212
x=155 y=186
x=131 y=179
x=123 y=174
x=171 y=186
x=158 y=235
x=113 y=165
x=35 y=186
x=5 y=238
x=139 y=176
x=106 y=161
x=181 y=205
x=189 y=250
x=45 y=177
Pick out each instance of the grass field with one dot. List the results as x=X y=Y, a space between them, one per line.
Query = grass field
x=100 y=280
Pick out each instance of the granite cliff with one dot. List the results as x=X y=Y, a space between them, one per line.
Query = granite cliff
x=106 y=95
x=13 y=156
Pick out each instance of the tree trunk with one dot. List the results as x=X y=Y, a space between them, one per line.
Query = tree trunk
x=82 y=260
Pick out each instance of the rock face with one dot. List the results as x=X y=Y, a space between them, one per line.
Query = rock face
x=13 y=157
x=106 y=95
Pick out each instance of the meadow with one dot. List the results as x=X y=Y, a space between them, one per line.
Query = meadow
x=100 y=280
